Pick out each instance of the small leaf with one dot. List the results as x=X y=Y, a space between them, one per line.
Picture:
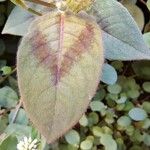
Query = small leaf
x=146 y=123
x=100 y=95
x=146 y=139
x=109 y=74
x=9 y=143
x=146 y=87
x=97 y=131
x=133 y=94
x=137 y=114
x=93 y=118
x=146 y=106
x=108 y=142
x=114 y=89
x=122 y=99
x=6 y=70
x=97 y=106
x=83 y=121
x=86 y=145
x=124 y=121
x=8 y=97
x=72 y=137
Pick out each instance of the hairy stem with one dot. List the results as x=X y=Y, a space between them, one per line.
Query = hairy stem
x=16 y=111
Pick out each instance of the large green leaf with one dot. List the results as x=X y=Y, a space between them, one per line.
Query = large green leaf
x=59 y=64
x=122 y=38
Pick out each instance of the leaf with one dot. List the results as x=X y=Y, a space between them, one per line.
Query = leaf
x=93 y=118
x=8 y=97
x=6 y=70
x=123 y=98
x=124 y=121
x=97 y=131
x=97 y=106
x=18 y=130
x=108 y=142
x=109 y=74
x=9 y=143
x=83 y=121
x=86 y=144
x=72 y=137
x=137 y=114
x=146 y=139
x=20 y=24
x=54 y=61
x=146 y=106
x=114 y=89
x=121 y=36
x=136 y=13
x=146 y=87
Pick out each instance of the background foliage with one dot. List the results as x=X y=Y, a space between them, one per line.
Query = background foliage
x=118 y=116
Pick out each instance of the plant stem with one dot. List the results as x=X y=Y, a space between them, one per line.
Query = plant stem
x=16 y=111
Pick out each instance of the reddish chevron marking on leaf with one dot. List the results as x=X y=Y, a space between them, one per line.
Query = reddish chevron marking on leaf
x=60 y=65
x=77 y=49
